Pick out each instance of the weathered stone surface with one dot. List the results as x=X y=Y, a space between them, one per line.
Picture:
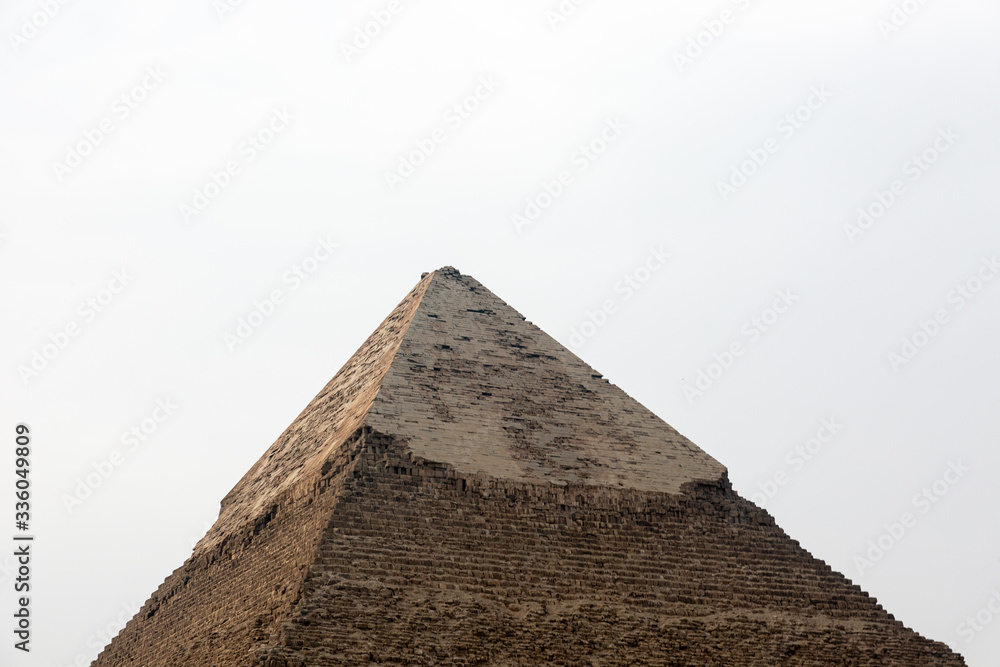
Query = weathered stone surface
x=466 y=491
x=475 y=385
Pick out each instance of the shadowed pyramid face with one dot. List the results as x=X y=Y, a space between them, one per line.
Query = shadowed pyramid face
x=467 y=491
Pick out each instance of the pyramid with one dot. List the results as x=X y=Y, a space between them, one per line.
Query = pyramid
x=466 y=491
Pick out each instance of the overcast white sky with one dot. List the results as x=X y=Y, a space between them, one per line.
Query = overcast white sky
x=117 y=115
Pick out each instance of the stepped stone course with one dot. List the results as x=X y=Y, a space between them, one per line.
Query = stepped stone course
x=466 y=491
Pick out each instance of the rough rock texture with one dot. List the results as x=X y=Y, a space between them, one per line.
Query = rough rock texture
x=467 y=491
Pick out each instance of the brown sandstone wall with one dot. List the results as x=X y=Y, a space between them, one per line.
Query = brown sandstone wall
x=420 y=565
x=391 y=560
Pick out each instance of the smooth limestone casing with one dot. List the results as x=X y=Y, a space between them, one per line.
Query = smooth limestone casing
x=467 y=491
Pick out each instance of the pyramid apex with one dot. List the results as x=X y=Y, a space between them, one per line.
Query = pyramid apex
x=444 y=271
x=475 y=387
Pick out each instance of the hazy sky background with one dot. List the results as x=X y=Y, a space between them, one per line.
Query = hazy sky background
x=200 y=79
